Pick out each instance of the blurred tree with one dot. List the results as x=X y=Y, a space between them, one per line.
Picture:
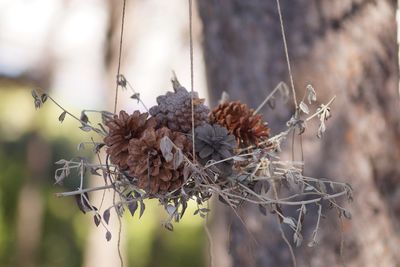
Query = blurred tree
x=345 y=48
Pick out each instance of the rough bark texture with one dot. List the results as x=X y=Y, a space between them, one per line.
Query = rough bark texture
x=345 y=48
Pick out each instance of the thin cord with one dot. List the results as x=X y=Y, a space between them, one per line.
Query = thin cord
x=119 y=56
x=287 y=54
x=191 y=73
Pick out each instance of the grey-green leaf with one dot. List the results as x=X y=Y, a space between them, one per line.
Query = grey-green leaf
x=62 y=116
x=303 y=106
x=108 y=235
x=166 y=148
x=106 y=215
x=311 y=95
x=178 y=158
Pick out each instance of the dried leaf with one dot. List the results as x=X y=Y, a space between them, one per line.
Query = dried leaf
x=135 y=96
x=43 y=98
x=98 y=147
x=297 y=238
x=205 y=210
x=84 y=118
x=102 y=128
x=60 y=178
x=289 y=221
x=106 y=116
x=284 y=91
x=106 y=215
x=169 y=226
x=62 y=116
x=97 y=219
x=312 y=244
x=34 y=94
x=108 y=235
x=36 y=99
x=186 y=172
x=309 y=188
x=142 y=208
x=82 y=201
x=303 y=106
x=166 y=148
x=170 y=209
x=347 y=214
x=94 y=171
x=220 y=198
x=178 y=159
x=121 y=80
x=272 y=103
x=132 y=207
x=224 y=98
x=85 y=128
x=184 y=207
x=322 y=187
x=311 y=95
x=261 y=187
x=262 y=209
x=81 y=146
x=321 y=129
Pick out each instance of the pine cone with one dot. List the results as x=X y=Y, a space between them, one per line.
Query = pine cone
x=174 y=109
x=123 y=128
x=146 y=161
x=212 y=142
x=238 y=118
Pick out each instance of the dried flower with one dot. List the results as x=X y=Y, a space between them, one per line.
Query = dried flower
x=238 y=118
x=146 y=161
x=122 y=129
x=213 y=142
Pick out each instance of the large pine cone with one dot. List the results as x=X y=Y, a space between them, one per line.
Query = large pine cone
x=174 y=109
x=147 y=163
x=238 y=118
x=123 y=128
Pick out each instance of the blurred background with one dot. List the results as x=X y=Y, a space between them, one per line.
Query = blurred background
x=69 y=49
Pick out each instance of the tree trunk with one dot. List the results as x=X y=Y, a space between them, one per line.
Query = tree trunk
x=345 y=48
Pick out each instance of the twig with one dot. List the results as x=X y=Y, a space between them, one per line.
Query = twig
x=268 y=97
x=322 y=109
x=282 y=232
x=81 y=191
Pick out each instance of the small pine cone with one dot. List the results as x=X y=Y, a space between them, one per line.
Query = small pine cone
x=147 y=163
x=123 y=128
x=213 y=142
x=238 y=118
x=174 y=109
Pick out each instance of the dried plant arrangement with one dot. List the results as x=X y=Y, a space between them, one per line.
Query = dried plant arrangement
x=230 y=154
x=181 y=150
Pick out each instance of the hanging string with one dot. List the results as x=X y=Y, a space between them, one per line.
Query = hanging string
x=119 y=56
x=287 y=55
x=191 y=72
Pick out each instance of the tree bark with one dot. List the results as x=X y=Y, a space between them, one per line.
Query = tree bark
x=345 y=48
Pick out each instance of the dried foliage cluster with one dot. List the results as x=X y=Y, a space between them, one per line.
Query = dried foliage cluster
x=154 y=155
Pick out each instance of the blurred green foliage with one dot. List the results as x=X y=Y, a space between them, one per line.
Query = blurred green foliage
x=63 y=228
